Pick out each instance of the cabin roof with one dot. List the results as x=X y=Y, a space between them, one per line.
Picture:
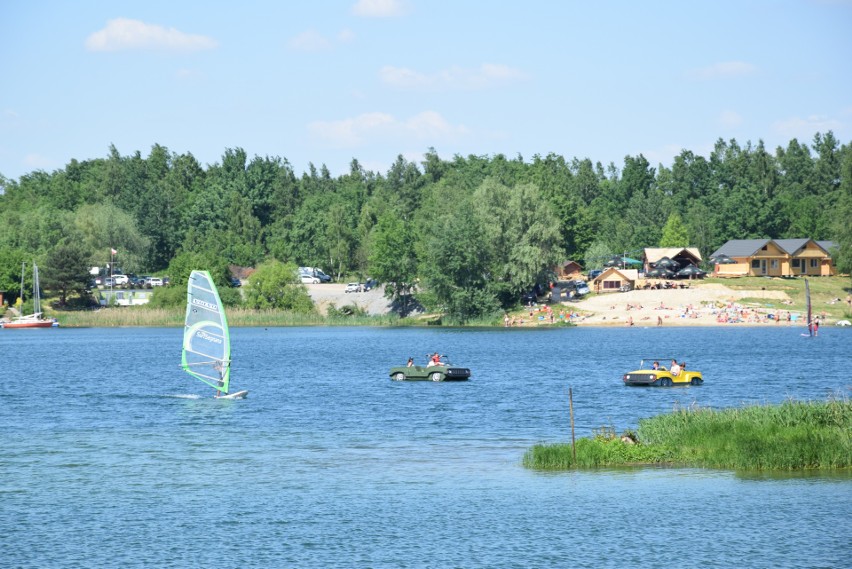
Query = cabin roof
x=749 y=247
x=654 y=254
x=741 y=247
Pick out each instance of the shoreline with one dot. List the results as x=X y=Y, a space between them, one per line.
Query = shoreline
x=706 y=305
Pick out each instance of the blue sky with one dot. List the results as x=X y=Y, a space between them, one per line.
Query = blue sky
x=329 y=81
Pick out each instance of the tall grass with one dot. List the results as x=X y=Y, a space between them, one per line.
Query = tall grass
x=790 y=436
x=142 y=316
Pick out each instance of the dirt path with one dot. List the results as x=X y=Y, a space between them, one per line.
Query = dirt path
x=373 y=301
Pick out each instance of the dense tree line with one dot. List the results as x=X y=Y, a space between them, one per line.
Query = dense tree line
x=465 y=236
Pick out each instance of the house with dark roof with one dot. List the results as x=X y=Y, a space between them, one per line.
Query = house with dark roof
x=775 y=258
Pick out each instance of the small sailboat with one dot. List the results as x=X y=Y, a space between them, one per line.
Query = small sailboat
x=206 y=338
x=36 y=319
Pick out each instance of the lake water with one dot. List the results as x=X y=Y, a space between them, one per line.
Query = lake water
x=113 y=457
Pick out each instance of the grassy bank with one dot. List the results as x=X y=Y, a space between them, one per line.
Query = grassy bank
x=828 y=294
x=790 y=436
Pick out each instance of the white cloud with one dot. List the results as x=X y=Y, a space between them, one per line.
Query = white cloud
x=37 y=162
x=366 y=128
x=730 y=119
x=486 y=75
x=310 y=40
x=805 y=128
x=664 y=155
x=346 y=35
x=723 y=70
x=379 y=8
x=124 y=34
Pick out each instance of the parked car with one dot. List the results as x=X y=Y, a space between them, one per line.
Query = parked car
x=308 y=279
x=595 y=273
x=235 y=282
x=581 y=288
x=354 y=287
x=314 y=272
x=154 y=281
x=109 y=282
x=121 y=279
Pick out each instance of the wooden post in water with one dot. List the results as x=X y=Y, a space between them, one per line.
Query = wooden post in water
x=571 y=408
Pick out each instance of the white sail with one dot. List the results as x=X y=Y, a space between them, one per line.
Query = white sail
x=206 y=339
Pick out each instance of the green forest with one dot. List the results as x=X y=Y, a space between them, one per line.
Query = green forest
x=465 y=235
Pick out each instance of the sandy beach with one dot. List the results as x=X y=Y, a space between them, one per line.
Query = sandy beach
x=701 y=305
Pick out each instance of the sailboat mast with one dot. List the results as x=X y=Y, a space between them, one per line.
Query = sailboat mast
x=23 y=270
x=36 y=292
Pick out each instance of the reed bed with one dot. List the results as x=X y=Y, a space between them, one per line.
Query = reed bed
x=790 y=436
x=130 y=316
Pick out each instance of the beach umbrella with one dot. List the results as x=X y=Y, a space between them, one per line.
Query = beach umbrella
x=660 y=273
x=690 y=271
x=619 y=261
x=666 y=263
x=722 y=260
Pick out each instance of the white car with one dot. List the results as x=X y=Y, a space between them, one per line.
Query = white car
x=354 y=287
x=308 y=279
x=120 y=279
x=154 y=281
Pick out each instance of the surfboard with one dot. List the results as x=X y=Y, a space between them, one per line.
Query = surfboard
x=236 y=395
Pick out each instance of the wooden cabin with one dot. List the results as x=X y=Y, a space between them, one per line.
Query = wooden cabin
x=612 y=279
x=776 y=258
x=569 y=271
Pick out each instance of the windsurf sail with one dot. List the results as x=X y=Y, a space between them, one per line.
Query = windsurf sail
x=206 y=339
x=810 y=315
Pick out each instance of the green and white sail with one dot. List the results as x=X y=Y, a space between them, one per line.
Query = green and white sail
x=206 y=339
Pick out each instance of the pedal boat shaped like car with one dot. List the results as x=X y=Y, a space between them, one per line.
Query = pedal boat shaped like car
x=647 y=376
x=430 y=373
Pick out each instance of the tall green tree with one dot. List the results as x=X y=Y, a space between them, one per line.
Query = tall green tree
x=66 y=269
x=674 y=232
x=521 y=234
x=454 y=267
x=393 y=259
